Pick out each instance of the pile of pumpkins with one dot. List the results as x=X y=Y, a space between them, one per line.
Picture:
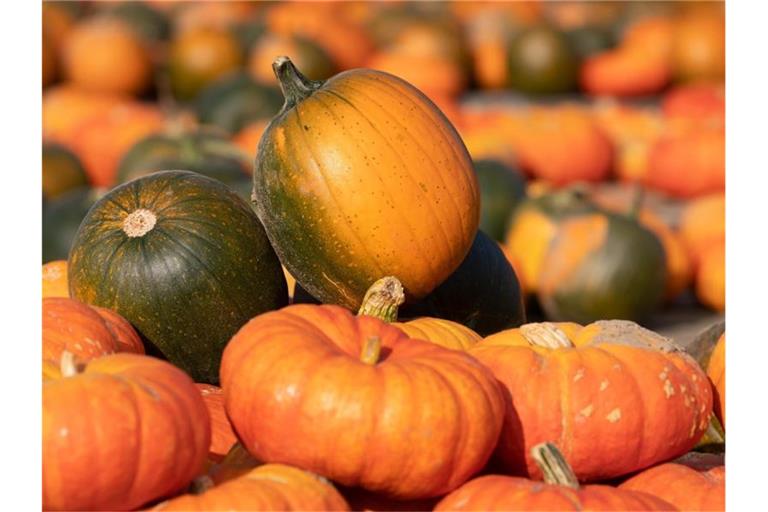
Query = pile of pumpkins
x=403 y=375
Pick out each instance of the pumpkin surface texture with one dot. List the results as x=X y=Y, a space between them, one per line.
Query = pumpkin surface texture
x=183 y=259
x=125 y=431
x=637 y=392
x=344 y=391
x=348 y=192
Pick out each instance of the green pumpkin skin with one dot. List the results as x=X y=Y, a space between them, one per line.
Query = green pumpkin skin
x=62 y=171
x=502 y=188
x=190 y=281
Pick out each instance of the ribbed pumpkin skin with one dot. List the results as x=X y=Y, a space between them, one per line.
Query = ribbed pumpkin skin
x=222 y=435
x=191 y=281
x=496 y=492
x=716 y=373
x=429 y=417
x=442 y=332
x=349 y=191
x=128 y=430
x=684 y=485
x=269 y=487
x=644 y=406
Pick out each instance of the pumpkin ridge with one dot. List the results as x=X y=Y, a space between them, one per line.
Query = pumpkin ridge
x=406 y=220
x=405 y=167
x=152 y=204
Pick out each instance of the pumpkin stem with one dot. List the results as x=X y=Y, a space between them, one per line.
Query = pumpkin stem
x=637 y=202
x=371 y=350
x=545 y=334
x=68 y=364
x=139 y=222
x=295 y=86
x=382 y=299
x=553 y=465
x=714 y=435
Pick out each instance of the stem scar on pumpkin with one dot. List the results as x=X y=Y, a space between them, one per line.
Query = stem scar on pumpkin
x=139 y=223
x=371 y=350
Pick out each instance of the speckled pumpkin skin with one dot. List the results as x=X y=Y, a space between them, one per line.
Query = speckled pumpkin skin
x=362 y=179
x=190 y=282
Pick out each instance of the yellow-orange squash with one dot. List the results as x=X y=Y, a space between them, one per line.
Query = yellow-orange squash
x=360 y=177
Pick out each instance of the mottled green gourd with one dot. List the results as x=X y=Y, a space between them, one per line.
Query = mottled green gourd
x=184 y=259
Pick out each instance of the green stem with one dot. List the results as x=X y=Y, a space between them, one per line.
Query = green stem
x=295 y=86
x=371 y=350
x=554 y=466
x=383 y=299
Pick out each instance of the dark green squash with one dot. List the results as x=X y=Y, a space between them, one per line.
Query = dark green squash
x=184 y=259
x=483 y=293
x=589 y=40
x=502 y=188
x=151 y=24
x=541 y=61
x=236 y=100
x=62 y=171
x=62 y=217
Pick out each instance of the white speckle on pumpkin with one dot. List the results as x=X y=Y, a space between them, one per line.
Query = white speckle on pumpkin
x=579 y=375
x=683 y=388
x=78 y=346
x=669 y=390
x=694 y=377
x=587 y=411
x=614 y=415
x=604 y=385
x=664 y=373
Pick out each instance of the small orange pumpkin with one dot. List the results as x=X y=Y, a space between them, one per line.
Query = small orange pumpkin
x=55 y=283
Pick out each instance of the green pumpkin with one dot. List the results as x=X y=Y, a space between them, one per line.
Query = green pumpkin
x=151 y=24
x=483 y=293
x=590 y=40
x=184 y=259
x=502 y=188
x=62 y=171
x=62 y=217
x=236 y=100
x=541 y=61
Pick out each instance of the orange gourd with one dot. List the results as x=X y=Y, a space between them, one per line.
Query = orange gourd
x=55 y=283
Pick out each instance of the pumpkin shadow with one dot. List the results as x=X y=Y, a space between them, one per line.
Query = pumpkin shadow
x=510 y=455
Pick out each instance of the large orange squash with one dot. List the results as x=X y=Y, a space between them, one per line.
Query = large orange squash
x=349 y=191
x=343 y=391
x=716 y=373
x=635 y=392
x=222 y=436
x=127 y=430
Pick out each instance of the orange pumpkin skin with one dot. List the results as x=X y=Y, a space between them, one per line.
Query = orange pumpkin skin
x=139 y=429
x=696 y=104
x=324 y=159
x=645 y=406
x=683 y=484
x=66 y=106
x=710 y=277
x=702 y=224
x=442 y=332
x=55 y=283
x=497 y=492
x=85 y=331
x=332 y=413
x=222 y=435
x=716 y=373
x=269 y=487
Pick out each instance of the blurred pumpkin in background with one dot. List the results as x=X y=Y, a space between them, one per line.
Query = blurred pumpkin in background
x=62 y=171
x=235 y=100
x=702 y=224
x=57 y=25
x=248 y=138
x=308 y=56
x=105 y=55
x=541 y=61
x=698 y=46
x=49 y=62
x=150 y=23
x=194 y=16
x=695 y=105
x=65 y=106
x=502 y=188
x=710 y=277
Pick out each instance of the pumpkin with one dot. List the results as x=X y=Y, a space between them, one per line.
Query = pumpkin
x=247 y=139
x=645 y=399
x=431 y=75
x=688 y=483
x=502 y=188
x=183 y=259
x=716 y=373
x=222 y=436
x=62 y=171
x=203 y=151
x=382 y=300
x=340 y=181
x=702 y=224
x=482 y=294
x=62 y=217
x=137 y=424
x=541 y=61
x=49 y=62
x=198 y=57
x=236 y=100
x=698 y=47
x=55 y=282
x=268 y=487
x=309 y=56
x=85 y=332
x=210 y=15
x=104 y=55
x=696 y=104
x=602 y=265
x=710 y=277
x=58 y=21
x=358 y=390
x=533 y=227
x=66 y=106
x=151 y=24
x=559 y=491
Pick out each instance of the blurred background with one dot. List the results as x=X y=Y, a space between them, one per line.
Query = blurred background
x=617 y=104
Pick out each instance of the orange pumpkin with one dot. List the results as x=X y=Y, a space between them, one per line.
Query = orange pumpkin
x=716 y=373
x=222 y=435
x=695 y=481
x=66 y=106
x=698 y=46
x=710 y=277
x=696 y=105
x=357 y=390
x=267 y=487
x=248 y=138
x=643 y=397
x=85 y=331
x=702 y=224
x=431 y=75
x=559 y=491
x=137 y=425
x=210 y=14
x=104 y=55
x=55 y=283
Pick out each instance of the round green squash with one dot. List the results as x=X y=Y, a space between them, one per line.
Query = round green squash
x=502 y=188
x=236 y=100
x=62 y=171
x=184 y=259
x=602 y=266
x=541 y=61
x=61 y=219
x=483 y=293
x=151 y=24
